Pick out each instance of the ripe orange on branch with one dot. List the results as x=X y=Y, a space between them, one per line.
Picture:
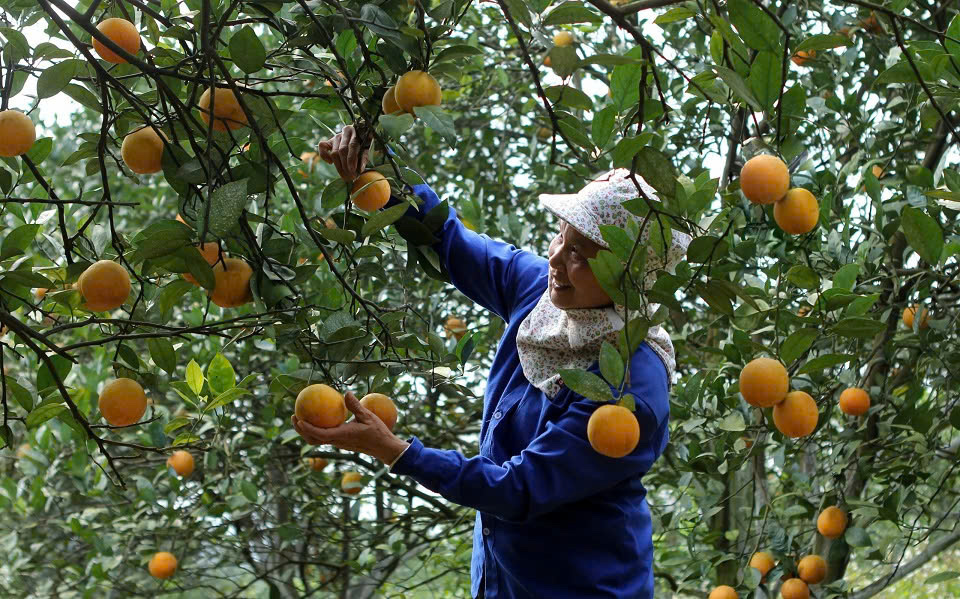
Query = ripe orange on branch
x=796 y=416
x=854 y=401
x=909 y=314
x=723 y=592
x=795 y=588
x=370 y=191
x=17 y=133
x=121 y=32
x=803 y=57
x=613 y=431
x=389 y=102
x=210 y=252
x=832 y=522
x=798 y=212
x=317 y=464
x=182 y=462
x=762 y=561
x=142 y=151
x=227 y=113
x=563 y=39
x=417 y=88
x=351 y=483
x=320 y=405
x=163 y=564
x=764 y=382
x=122 y=402
x=764 y=179
x=812 y=569
x=455 y=328
x=104 y=286
x=382 y=406
x=232 y=283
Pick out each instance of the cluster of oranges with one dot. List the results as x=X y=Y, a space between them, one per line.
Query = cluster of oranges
x=765 y=179
x=811 y=569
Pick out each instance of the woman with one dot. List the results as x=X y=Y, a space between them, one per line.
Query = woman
x=554 y=518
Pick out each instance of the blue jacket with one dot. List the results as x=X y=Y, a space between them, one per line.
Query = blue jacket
x=555 y=519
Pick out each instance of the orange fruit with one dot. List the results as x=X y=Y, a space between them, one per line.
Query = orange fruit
x=142 y=151
x=762 y=561
x=351 y=483
x=317 y=464
x=723 y=592
x=613 y=431
x=226 y=109
x=803 y=311
x=211 y=253
x=795 y=588
x=764 y=382
x=563 y=39
x=803 y=57
x=40 y=292
x=854 y=401
x=832 y=522
x=546 y=61
x=182 y=462
x=796 y=416
x=812 y=569
x=17 y=133
x=798 y=212
x=104 y=286
x=877 y=171
x=417 y=88
x=544 y=133
x=455 y=328
x=910 y=312
x=122 y=402
x=320 y=405
x=382 y=406
x=162 y=565
x=121 y=32
x=22 y=450
x=389 y=102
x=232 y=283
x=764 y=179
x=370 y=191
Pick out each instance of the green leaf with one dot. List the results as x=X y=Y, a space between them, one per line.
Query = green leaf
x=439 y=120
x=194 y=377
x=43 y=413
x=707 y=247
x=822 y=362
x=55 y=78
x=83 y=96
x=396 y=124
x=657 y=170
x=563 y=60
x=755 y=27
x=185 y=437
x=846 y=276
x=249 y=490
x=953 y=31
x=858 y=327
x=602 y=128
x=376 y=20
x=803 y=277
x=247 y=50
x=766 y=78
x=619 y=241
x=904 y=72
x=857 y=537
x=942 y=576
x=625 y=82
x=198 y=267
x=739 y=87
x=170 y=294
x=954 y=417
x=225 y=398
x=25 y=398
x=733 y=422
x=161 y=238
x=456 y=51
x=18 y=240
x=569 y=96
x=342 y=236
x=608 y=59
x=226 y=206
x=611 y=364
x=61 y=366
x=571 y=12
x=678 y=13
x=797 y=343
x=163 y=354
x=717 y=297
x=383 y=218
x=923 y=233
x=175 y=424
x=609 y=272
x=586 y=384
x=220 y=374
x=823 y=42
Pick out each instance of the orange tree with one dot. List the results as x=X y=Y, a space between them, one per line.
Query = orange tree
x=307 y=287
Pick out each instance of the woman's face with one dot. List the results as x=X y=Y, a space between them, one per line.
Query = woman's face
x=572 y=284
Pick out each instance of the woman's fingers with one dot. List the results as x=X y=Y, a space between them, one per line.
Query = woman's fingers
x=324 y=150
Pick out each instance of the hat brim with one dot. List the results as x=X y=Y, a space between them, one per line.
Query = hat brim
x=564 y=207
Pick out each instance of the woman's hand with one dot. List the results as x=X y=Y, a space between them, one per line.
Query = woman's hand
x=365 y=433
x=344 y=150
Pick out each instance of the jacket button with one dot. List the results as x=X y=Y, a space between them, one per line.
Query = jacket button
x=497 y=414
x=486 y=531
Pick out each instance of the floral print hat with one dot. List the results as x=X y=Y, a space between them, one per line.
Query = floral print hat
x=550 y=338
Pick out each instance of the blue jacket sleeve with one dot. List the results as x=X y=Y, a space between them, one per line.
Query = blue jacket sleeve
x=494 y=274
x=558 y=467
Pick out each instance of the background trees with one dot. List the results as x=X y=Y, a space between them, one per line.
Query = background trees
x=683 y=93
